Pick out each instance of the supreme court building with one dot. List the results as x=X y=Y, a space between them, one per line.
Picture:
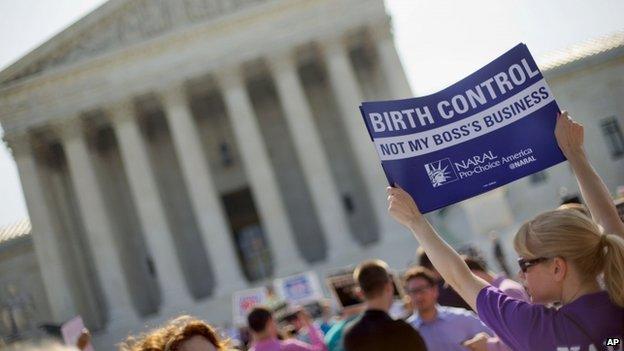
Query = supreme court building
x=172 y=152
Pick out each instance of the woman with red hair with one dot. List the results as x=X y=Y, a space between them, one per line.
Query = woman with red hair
x=184 y=333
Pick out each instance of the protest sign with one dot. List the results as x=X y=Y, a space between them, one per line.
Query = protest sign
x=71 y=331
x=244 y=301
x=487 y=130
x=299 y=289
x=344 y=288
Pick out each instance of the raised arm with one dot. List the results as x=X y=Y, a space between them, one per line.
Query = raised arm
x=316 y=336
x=444 y=258
x=569 y=136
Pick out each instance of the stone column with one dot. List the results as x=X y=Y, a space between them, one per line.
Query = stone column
x=257 y=165
x=348 y=97
x=151 y=212
x=390 y=62
x=311 y=153
x=46 y=240
x=97 y=222
x=209 y=212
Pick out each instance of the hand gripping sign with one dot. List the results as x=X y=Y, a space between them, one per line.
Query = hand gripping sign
x=489 y=129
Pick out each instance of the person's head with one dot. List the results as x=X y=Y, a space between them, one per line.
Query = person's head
x=575 y=206
x=375 y=282
x=84 y=339
x=422 y=288
x=563 y=250
x=294 y=318
x=184 y=333
x=424 y=261
x=478 y=267
x=261 y=323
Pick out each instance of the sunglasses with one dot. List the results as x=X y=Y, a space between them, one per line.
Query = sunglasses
x=525 y=263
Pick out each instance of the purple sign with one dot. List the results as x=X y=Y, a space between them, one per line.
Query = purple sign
x=489 y=129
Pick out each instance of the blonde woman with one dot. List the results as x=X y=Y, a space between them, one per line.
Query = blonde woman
x=562 y=253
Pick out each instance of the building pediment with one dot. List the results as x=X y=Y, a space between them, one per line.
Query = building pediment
x=115 y=25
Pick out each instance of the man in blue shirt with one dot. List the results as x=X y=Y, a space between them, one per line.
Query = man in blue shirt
x=443 y=328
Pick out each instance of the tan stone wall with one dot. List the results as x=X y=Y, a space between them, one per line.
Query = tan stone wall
x=21 y=286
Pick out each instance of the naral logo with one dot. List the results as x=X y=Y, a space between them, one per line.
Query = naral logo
x=441 y=172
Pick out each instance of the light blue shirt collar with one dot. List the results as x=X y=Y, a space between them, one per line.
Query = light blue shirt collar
x=415 y=320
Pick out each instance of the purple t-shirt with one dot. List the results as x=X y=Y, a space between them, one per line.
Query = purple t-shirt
x=525 y=326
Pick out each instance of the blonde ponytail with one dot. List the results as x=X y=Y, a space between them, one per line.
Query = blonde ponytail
x=577 y=238
x=614 y=267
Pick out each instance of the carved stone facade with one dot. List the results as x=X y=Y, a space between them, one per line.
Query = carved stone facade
x=129 y=22
x=171 y=155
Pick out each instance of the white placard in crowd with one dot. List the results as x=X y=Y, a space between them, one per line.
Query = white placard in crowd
x=71 y=331
x=344 y=288
x=244 y=300
x=299 y=289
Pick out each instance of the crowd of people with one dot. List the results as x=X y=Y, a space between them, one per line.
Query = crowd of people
x=572 y=297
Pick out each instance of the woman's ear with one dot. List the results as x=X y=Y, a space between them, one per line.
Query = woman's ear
x=560 y=268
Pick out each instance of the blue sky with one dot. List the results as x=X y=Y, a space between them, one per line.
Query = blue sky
x=439 y=42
